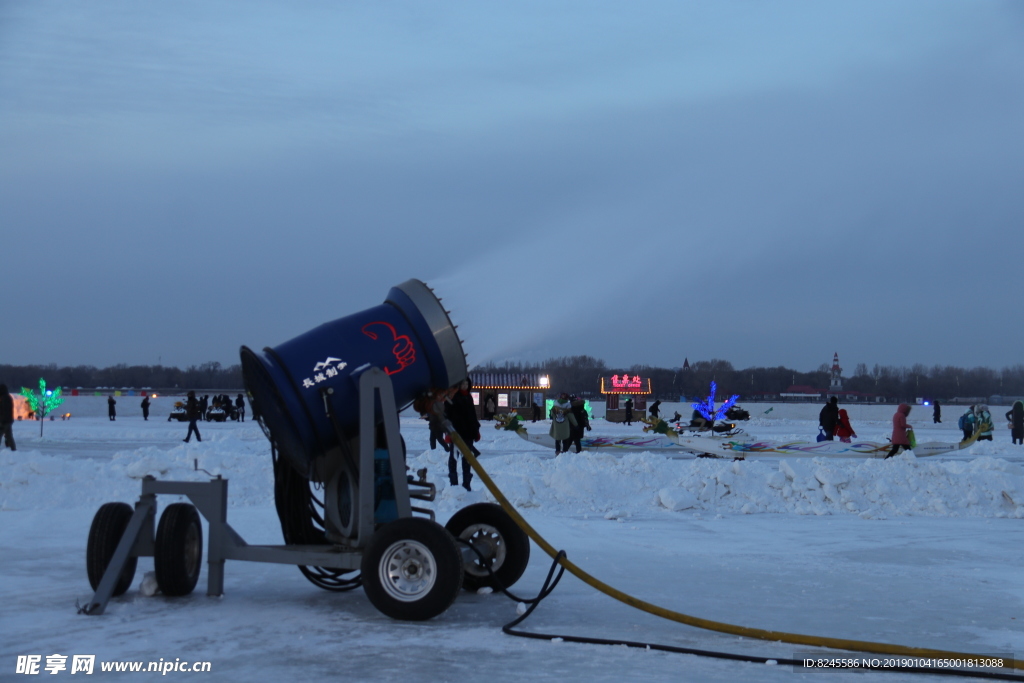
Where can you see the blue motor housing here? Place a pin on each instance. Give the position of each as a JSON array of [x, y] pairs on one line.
[[410, 337]]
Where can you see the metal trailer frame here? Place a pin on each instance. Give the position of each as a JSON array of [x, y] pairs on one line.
[[224, 543]]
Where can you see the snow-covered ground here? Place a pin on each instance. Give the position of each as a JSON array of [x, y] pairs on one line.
[[917, 552]]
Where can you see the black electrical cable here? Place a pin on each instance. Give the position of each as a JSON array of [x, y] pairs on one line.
[[298, 509], [548, 586]]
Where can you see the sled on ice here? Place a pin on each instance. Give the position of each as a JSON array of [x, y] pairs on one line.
[[660, 437], [742, 448]]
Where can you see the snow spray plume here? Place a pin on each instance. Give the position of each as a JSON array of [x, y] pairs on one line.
[[520, 300]]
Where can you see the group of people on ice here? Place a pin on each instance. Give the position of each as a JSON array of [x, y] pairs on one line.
[[835, 422], [234, 407], [569, 420], [979, 418], [568, 415]]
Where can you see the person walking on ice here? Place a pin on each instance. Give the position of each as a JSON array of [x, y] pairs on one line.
[[192, 410], [562, 423], [654, 410], [461, 412], [1016, 417], [579, 411], [7, 417], [900, 431]]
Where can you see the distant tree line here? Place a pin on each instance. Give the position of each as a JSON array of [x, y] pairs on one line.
[[937, 381], [581, 375], [205, 376]]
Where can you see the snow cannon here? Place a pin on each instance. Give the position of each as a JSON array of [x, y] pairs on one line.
[[328, 401], [409, 337]]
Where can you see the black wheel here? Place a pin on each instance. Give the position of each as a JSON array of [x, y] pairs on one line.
[[499, 539], [178, 552], [107, 528], [411, 569]]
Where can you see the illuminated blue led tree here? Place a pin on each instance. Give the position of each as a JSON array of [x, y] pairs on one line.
[[707, 406], [43, 402]]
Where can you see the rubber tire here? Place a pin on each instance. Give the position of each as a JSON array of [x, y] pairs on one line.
[[108, 526], [440, 551], [178, 551], [515, 540]]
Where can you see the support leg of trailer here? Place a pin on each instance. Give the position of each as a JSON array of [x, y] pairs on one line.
[[211, 497], [138, 525]]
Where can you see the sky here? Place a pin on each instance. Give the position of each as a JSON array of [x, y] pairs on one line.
[[766, 183]]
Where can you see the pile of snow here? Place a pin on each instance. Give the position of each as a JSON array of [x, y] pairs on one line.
[[49, 473], [31, 480], [644, 483]]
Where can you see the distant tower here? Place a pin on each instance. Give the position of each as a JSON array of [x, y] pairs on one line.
[[686, 364], [835, 384]]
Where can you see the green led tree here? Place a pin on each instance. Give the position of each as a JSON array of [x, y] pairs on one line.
[[43, 402]]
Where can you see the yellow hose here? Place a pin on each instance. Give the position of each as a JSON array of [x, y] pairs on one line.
[[745, 631]]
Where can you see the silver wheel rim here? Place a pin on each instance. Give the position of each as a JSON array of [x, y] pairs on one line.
[[489, 542], [407, 571]]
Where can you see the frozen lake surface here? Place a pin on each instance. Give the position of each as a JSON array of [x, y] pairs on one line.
[[916, 552]]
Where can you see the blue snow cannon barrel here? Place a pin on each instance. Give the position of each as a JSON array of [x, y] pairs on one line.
[[410, 337]]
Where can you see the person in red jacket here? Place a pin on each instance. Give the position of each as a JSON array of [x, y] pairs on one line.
[[843, 429], [900, 438]]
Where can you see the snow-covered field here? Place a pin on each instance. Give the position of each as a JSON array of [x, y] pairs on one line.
[[922, 553]]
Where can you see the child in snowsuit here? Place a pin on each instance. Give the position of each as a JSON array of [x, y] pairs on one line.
[[843, 429], [983, 423], [966, 423]]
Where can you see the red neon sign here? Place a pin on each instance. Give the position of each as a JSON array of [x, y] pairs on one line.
[[626, 382]]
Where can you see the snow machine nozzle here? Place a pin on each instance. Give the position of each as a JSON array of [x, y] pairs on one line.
[[410, 337]]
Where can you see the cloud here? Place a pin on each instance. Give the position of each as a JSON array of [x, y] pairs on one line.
[[767, 184]]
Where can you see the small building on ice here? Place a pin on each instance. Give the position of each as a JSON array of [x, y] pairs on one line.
[[616, 389], [508, 390]]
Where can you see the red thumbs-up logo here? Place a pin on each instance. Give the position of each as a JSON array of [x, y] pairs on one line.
[[404, 351]]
